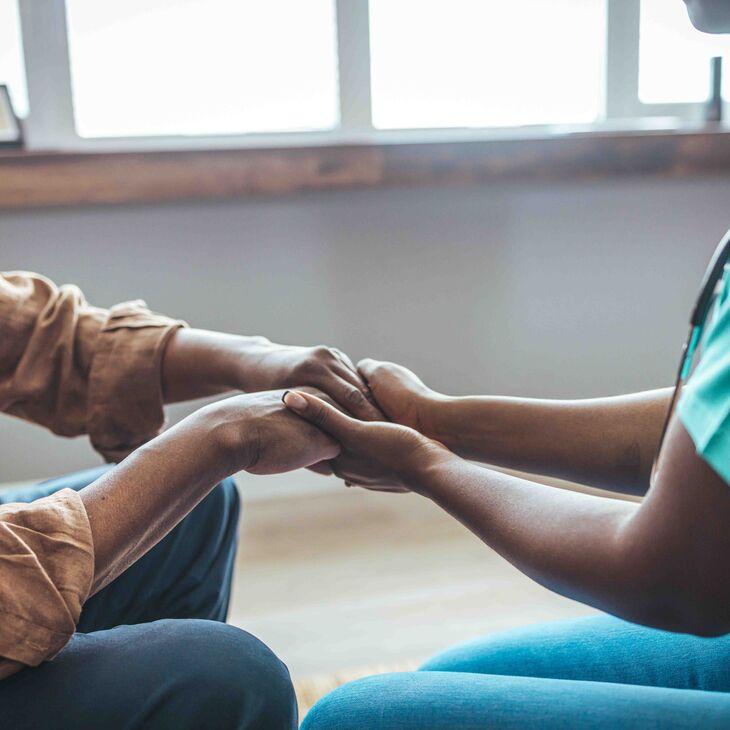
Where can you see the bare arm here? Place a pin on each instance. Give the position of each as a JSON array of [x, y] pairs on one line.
[[198, 363], [136, 504], [646, 563], [605, 442], [659, 563]]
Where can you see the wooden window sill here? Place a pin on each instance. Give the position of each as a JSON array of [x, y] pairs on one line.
[[39, 179]]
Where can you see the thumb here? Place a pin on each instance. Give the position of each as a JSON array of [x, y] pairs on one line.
[[320, 414], [367, 367]]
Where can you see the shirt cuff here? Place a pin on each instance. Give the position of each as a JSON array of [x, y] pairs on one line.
[[125, 381], [46, 571]]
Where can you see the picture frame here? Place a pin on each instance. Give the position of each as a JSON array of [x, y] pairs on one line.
[[11, 133]]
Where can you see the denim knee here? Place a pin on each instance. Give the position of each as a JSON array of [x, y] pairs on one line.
[[235, 680], [355, 705]]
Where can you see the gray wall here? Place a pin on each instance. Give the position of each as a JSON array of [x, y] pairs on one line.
[[556, 290]]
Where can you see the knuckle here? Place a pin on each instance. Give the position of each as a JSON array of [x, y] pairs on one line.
[[323, 353], [308, 368], [354, 397]]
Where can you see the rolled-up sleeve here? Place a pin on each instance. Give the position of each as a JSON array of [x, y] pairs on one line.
[[46, 569], [76, 368]]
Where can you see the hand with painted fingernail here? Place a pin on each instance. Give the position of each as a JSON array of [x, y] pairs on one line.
[[376, 455]]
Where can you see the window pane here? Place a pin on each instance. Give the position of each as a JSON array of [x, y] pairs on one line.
[[471, 63], [674, 58], [12, 71], [156, 67]]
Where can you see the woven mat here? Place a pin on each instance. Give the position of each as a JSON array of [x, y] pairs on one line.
[[310, 689]]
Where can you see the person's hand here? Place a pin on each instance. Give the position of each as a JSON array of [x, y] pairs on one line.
[[256, 433], [198, 363], [375, 455], [269, 366], [400, 393]]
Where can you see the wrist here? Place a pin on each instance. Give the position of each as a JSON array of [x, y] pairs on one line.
[[418, 473], [200, 363], [434, 411], [224, 440], [238, 360], [192, 448]]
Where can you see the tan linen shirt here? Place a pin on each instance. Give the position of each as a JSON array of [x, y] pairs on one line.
[[75, 369]]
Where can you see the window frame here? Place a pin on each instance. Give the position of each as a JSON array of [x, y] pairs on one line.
[[50, 123]]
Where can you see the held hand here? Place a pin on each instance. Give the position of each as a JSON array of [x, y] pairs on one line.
[[256, 433], [400, 393], [268, 365], [199, 363], [375, 455]]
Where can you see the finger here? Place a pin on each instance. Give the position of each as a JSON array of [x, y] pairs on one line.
[[349, 373], [347, 389], [345, 359], [367, 368], [322, 468], [322, 415], [320, 394], [386, 490], [353, 376]]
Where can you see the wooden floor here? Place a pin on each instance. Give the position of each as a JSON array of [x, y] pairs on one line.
[[353, 579]]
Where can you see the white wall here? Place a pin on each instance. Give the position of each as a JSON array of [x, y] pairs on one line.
[[555, 290]]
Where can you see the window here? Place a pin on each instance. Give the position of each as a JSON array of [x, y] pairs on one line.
[[198, 67], [12, 73], [674, 60], [470, 63], [154, 74]]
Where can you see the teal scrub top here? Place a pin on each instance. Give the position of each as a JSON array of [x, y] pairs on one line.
[[704, 405]]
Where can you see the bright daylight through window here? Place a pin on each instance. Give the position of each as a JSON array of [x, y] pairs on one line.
[[12, 73], [151, 69], [469, 63], [199, 67], [674, 60]]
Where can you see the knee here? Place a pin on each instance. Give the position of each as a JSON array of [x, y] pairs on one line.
[[252, 679], [238, 682], [359, 705]]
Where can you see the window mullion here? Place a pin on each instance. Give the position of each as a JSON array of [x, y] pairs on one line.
[[622, 59], [353, 46], [50, 123]]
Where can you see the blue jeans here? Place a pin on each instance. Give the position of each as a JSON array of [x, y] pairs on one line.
[[596, 672], [152, 650]]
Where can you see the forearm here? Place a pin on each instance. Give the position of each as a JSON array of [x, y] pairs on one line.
[[135, 505], [605, 442], [575, 544], [200, 363]]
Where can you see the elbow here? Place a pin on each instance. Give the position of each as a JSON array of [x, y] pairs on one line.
[[671, 585], [707, 620], [687, 612]]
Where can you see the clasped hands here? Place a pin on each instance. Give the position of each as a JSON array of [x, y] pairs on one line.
[[313, 408]]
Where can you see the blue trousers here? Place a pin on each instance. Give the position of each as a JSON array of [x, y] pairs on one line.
[[152, 650], [596, 672]]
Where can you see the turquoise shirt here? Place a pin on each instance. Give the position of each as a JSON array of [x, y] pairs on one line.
[[704, 405]]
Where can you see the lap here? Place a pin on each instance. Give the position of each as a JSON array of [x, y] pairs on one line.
[[596, 672], [596, 648], [170, 673], [447, 700]]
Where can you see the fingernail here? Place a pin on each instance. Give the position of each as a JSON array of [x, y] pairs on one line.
[[294, 401]]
